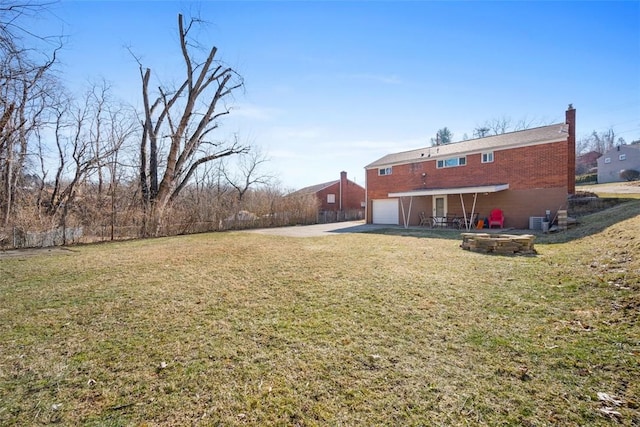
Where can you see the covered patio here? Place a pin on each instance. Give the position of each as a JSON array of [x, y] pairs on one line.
[[468, 215]]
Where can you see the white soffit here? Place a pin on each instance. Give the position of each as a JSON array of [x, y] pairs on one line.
[[459, 190]]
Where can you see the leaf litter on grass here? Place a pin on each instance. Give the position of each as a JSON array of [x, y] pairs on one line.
[[366, 329]]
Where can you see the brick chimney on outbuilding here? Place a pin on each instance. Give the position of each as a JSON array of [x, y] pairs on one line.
[[571, 149], [343, 188]]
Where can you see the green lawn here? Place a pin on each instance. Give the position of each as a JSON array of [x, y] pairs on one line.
[[389, 328]]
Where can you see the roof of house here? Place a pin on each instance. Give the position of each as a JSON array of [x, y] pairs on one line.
[[312, 189], [539, 135], [590, 156], [622, 147]]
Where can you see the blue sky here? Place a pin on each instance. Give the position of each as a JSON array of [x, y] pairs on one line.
[[333, 86]]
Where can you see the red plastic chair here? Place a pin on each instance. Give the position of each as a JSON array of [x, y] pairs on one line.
[[496, 217]]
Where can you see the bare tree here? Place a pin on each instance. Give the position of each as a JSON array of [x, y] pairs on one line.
[[600, 141], [110, 126], [499, 126], [526, 123], [88, 140], [186, 117], [247, 172], [26, 91], [504, 124], [109, 131], [11, 18]]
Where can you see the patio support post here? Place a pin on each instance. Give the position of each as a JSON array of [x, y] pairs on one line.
[[464, 212], [473, 209], [468, 223], [405, 218]]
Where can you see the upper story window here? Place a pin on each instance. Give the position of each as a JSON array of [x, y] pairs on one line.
[[331, 198], [607, 159], [452, 162], [622, 157], [487, 157], [384, 171]]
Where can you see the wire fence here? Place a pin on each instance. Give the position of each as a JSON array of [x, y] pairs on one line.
[[21, 238], [60, 236]]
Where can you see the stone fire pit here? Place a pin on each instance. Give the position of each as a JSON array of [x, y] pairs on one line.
[[498, 243]]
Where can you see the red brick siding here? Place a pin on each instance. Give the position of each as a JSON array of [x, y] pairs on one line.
[[539, 166], [322, 197], [352, 197], [525, 169]]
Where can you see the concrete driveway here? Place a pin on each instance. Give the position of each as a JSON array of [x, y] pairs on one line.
[[320, 229]]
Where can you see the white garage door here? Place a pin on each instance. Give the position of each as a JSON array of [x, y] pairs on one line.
[[385, 211]]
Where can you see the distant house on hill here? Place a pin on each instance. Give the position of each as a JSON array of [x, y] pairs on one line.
[[587, 162], [338, 200], [618, 159]]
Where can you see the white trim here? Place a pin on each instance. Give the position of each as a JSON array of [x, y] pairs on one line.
[[434, 206], [487, 154], [460, 190]]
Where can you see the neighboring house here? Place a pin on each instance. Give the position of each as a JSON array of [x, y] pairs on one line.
[[523, 173], [587, 162], [339, 200], [617, 159]]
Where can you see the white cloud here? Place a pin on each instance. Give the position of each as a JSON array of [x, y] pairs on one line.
[[255, 112]]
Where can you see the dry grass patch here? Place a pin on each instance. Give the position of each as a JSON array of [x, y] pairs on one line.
[[351, 329]]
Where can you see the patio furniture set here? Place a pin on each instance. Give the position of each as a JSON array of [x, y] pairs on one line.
[[457, 222]]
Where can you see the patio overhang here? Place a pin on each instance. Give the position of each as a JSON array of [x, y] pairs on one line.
[[455, 190], [444, 191]]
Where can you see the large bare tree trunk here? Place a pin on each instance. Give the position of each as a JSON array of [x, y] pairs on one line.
[[186, 116]]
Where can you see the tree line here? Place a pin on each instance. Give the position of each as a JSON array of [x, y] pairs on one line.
[[93, 162]]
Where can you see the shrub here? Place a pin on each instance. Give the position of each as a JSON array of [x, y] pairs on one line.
[[629, 174], [587, 178], [583, 195]]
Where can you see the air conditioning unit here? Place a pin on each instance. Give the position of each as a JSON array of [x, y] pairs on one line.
[[535, 222]]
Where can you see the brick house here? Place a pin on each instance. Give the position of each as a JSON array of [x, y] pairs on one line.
[[587, 162], [619, 158], [338, 200], [523, 173]]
